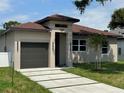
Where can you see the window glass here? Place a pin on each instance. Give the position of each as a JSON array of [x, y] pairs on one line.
[[79, 45], [82, 42], [61, 25], [104, 50], [119, 51], [75, 42], [105, 47], [75, 48], [82, 48]]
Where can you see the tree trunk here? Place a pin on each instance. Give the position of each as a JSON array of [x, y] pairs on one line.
[[98, 62], [99, 58]]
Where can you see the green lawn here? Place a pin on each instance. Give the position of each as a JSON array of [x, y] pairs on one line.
[[112, 73], [21, 83]]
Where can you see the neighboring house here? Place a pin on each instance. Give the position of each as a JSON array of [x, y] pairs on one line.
[[54, 41], [120, 42]]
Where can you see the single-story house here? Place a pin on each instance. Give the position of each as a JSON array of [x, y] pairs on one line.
[[54, 41]]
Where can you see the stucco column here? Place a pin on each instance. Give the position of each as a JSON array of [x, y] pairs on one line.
[[17, 47], [113, 50], [69, 49], [52, 50]]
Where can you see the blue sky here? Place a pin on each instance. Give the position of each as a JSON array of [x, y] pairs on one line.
[[96, 15]]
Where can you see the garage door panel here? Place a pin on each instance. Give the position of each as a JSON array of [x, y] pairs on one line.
[[34, 55], [33, 65]]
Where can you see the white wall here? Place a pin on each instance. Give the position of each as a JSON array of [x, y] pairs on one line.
[[5, 59], [121, 45]]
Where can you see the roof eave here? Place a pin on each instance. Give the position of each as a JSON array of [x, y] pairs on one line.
[[16, 29], [29, 29], [53, 19], [91, 33]]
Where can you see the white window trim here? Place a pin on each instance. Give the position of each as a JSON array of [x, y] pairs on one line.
[[79, 45]]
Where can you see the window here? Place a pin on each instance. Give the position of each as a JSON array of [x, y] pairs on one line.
[[105, 47], [79, 45], [119, 51], [61, 25]]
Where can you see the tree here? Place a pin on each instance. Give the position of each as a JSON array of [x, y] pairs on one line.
[[95, 42], [9, 24], [1, 30], [117, 20], [82, 4]]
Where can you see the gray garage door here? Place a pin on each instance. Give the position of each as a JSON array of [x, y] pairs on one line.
[[34, 55]]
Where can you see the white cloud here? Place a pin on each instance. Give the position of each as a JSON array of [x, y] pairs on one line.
[[4, 5], [96, 16], [117, 3], [99, 16], [20, 18]]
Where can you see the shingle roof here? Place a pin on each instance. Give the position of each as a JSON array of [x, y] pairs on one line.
[[87, 30], [30, 25], [75, 28], [58, 17]]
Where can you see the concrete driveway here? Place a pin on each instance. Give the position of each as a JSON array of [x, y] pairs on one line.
[[59, 81]]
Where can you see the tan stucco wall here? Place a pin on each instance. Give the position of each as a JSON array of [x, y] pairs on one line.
[[67, 48], [32, 36], [14, 43], [28, 36], [68, 32], [90, 55], [52, 49]]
